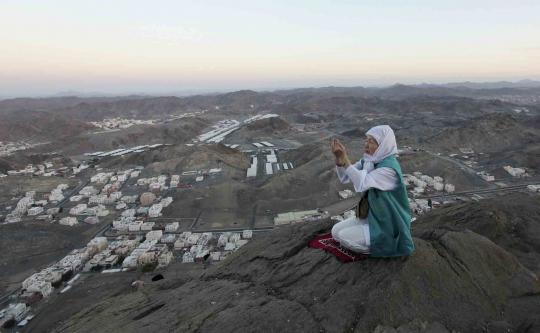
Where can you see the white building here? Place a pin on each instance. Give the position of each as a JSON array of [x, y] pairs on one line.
[[252, 171], [271, 158], [129, 212], [165, 202], [345, 194], [438, 186], [154, 235], [247, 234], [235, 237], [179, 244], [165, 258], [172, 227], [168, 238], [56, 195], [418, 190], [515, 172], [223, 239], [193, 238], [487, 177], [155, 210], [187, 258], [268, 168], [24, 204], [76, 198], [35, 211], [147, 226], [16, 311], [88, 191], [135, 226], [97, 244], [78, 209]]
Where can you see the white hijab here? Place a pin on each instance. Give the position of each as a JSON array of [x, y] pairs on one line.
[[384, 135]]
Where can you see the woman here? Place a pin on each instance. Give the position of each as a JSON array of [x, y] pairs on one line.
[[386, 230]]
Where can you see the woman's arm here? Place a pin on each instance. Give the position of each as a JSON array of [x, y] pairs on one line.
[[342, 174], [384, 179]]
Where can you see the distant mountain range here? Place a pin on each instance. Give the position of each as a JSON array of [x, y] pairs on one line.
[[185, 93], [487, 85]]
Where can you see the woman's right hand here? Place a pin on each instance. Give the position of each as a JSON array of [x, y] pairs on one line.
[[339, 152], [337, 148]]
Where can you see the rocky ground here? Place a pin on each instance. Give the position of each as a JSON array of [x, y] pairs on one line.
[[470, 273]]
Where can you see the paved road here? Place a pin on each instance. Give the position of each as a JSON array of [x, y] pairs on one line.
[[512, 188]]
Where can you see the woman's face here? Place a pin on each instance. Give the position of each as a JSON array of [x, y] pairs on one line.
[[370, 145]]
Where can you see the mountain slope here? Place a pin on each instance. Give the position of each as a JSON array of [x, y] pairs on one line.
[[458, 278]]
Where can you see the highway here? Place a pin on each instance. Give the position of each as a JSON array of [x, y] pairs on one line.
[[481, 191]]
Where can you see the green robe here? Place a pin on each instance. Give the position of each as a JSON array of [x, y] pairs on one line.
[[389, 217]]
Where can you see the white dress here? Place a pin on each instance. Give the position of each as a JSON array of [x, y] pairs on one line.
[[353, 233]]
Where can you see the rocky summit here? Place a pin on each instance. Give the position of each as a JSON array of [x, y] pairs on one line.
[[469, 273]]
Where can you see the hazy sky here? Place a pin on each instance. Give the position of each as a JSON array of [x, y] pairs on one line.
[[119, 46]]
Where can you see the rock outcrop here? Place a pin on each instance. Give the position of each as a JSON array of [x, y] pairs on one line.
[[457, 279]]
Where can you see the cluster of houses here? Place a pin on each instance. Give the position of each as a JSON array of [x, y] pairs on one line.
[[119, 123], [420, 183], [146, 252], [8, 148], [421, 206], [149, 254], [46, 169], [98, 254], [97, 199], [31, 207], [202, 246], [158, 184], [271, 165], [132, 218]]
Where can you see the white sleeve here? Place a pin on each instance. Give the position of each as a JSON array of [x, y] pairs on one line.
[[384, 179], [342, 175]]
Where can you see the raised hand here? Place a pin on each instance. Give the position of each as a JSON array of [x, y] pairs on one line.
[[339, 151], [337, 148]]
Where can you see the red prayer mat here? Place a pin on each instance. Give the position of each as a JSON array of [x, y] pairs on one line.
[[327, 243]]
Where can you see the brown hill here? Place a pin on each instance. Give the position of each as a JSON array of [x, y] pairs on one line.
[[260, 130], [492, 132], [269, 125], [38, 126], [178, 131], [460, 279]]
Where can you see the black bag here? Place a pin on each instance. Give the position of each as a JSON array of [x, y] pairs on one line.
[[362, 209]]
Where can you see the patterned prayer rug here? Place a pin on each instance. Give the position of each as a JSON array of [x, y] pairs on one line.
[[327, 243]]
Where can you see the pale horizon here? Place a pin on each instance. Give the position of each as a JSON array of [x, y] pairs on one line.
[[135, 47]]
